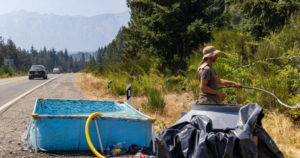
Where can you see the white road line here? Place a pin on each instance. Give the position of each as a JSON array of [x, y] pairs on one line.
[[7, 105]]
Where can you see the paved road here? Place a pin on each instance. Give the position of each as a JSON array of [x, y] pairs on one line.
[[13, 87], [15, 120]]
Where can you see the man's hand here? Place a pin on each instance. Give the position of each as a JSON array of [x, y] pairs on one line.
[[237, 85], [222, 95]]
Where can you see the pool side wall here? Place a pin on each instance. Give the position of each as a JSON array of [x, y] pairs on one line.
[[67, 132]]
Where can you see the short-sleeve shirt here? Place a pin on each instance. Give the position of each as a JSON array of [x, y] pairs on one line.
[[208, 73]]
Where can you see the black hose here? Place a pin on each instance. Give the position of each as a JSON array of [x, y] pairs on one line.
[[280, 102]]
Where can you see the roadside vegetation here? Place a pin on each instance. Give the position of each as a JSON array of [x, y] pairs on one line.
[[7, 72], [159, 53]]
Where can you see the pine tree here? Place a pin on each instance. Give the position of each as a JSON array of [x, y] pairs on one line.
[[168, 29]]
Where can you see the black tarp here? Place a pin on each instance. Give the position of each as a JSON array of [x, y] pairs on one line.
[[222, 116], [197, 138]]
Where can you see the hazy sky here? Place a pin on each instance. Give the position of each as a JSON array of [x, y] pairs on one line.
[[65, 7]]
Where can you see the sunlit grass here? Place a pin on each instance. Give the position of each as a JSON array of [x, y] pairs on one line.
[[284, 132]]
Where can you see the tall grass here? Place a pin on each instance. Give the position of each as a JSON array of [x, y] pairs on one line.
[[284, 132], [176, 83], [155, 100], [141, 73], [6, 72]]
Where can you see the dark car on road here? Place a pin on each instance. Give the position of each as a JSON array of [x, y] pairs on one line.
[[37, 71]]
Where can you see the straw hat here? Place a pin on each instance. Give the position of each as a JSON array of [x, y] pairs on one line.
[[208, 51]]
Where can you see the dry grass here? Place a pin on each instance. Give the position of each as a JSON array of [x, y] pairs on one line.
[[284, 132], [280, 127], [96, 88]]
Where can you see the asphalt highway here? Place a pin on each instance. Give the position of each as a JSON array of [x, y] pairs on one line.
[[11, 88]]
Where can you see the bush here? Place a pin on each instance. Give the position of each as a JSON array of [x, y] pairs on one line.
[[141, 73], [6, 71], [119, 84], [176, 83], [155, 100], [194, 86]]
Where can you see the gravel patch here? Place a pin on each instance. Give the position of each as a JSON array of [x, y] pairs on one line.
[[14, 121]]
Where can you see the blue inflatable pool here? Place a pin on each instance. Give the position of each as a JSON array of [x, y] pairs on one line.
[[61, 123]]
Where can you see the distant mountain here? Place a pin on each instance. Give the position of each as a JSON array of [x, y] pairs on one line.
[[77, 56], [76, 33]]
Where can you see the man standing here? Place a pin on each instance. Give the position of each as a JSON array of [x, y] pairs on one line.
[[208, 79]]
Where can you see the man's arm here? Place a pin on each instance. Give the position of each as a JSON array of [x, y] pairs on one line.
[[226, 82], [206, 89]]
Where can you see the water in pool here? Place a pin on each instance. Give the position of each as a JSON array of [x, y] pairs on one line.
[[86, 107]]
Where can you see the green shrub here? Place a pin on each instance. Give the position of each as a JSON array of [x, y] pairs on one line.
[[176, 83], [194, 87], [119, 82], [141, 73], [6, 72], [292, 101], [155, 100]]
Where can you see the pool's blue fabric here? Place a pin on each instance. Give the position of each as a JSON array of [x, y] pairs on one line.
[[121, 123]]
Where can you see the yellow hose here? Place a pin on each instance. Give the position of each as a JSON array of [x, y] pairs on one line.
[[87, 134]]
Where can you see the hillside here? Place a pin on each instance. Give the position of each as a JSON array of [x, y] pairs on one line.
[[76, 33]]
